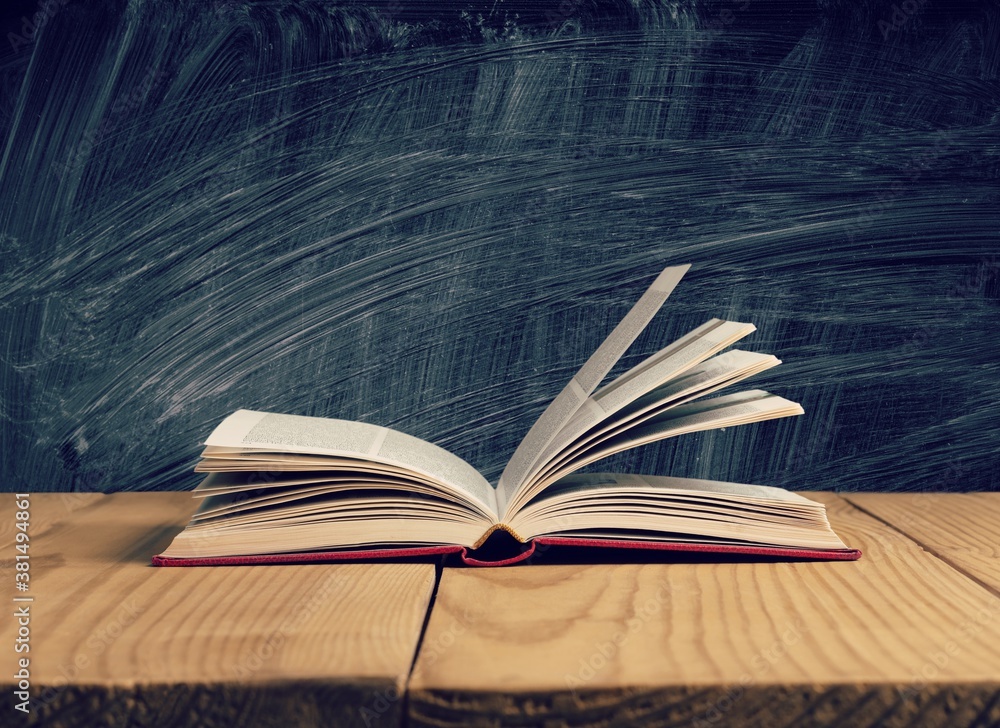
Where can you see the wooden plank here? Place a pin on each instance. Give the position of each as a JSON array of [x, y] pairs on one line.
[[896, 638], [116, 641], [961, 528]]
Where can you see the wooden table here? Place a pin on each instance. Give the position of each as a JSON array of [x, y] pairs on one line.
[[910, 634]]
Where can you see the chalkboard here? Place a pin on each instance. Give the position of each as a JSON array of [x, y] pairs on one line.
[[427, 216]]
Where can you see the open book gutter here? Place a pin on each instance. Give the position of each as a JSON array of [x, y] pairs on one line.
[[287, 488]]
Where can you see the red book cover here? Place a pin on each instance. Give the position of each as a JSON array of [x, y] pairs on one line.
[[468, 557]]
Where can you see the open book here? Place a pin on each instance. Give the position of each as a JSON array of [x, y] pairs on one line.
[[287, 488]]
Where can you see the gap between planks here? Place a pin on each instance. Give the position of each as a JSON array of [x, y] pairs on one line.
[[937, 552], [846, 498], [405, 702], [870, 685]]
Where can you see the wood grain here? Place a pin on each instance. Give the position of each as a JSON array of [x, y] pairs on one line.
[[115, 641], [896, 638], [961, 528]]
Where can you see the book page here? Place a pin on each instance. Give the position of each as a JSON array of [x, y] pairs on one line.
[[725, 369], [708, 377], [580, 387], [726, 411], [644, 507], [665, 365], [230, 511], [376, 529], [232, 500], [321, 436], [583, 484], [242, 487], [669, 363]]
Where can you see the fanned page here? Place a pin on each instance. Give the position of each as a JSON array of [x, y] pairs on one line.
[[729, 410], [656, 371], [612, 506], [583, 384], [596, 433], [263, 440], [726, 411]]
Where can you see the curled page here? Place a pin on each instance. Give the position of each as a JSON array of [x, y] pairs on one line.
[[583, 384], [728, 410], [671, 362], [590, 428]]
